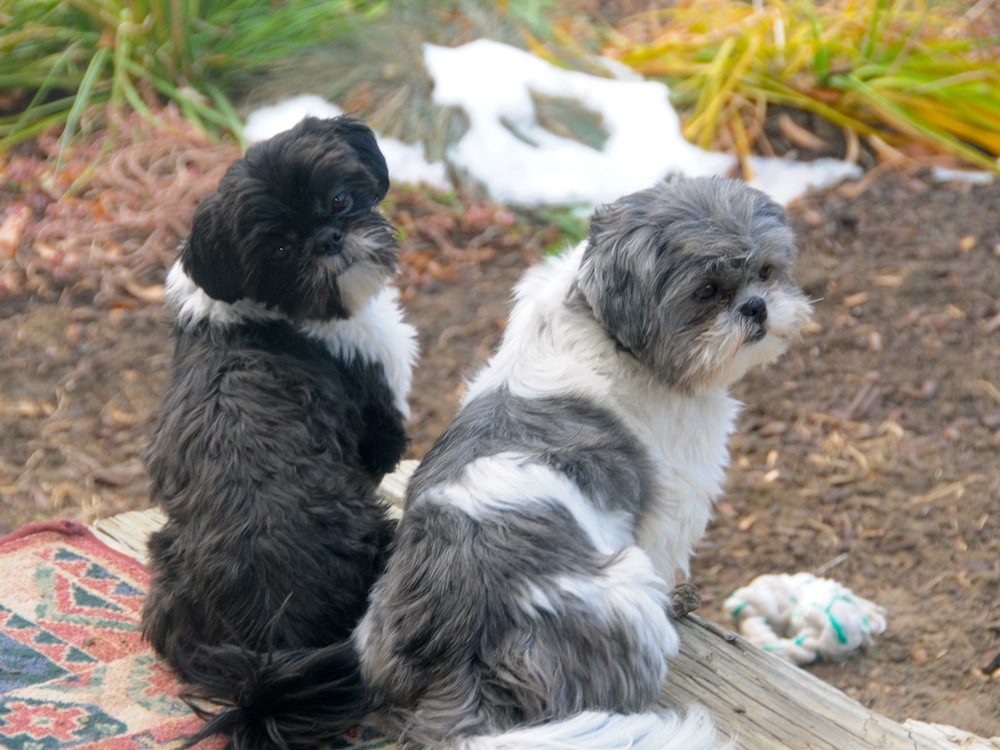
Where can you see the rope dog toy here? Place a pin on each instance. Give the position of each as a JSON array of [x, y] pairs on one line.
[[803, 618]]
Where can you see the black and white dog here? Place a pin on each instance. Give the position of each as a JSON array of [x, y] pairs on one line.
[[528, 601], [286, 404]]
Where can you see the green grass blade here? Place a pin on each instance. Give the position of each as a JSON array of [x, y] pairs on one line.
[[84, 94], [821, 51], [26, 133], [901, 119], [230, 115]]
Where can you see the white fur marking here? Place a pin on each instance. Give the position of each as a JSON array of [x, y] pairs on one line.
[[492, 485], [377, 333], [191, 304], [629, 591], [358, 285]]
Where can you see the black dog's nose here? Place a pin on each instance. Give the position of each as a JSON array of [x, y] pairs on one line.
[[329, 240], [756, 309]]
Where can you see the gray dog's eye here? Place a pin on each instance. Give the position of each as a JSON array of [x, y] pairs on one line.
[[341, 202], [707, 291], [765, 272]]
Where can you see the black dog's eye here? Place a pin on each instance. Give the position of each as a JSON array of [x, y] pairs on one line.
[[280, 252], [765, 272], [707, 291], [341, 202]]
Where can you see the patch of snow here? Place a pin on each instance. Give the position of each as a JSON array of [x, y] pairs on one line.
[[976, 177], [407, 163], [267, 122], [493, 83], [785, 179]]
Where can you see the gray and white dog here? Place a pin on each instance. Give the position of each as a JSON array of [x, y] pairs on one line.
[[527, 603]]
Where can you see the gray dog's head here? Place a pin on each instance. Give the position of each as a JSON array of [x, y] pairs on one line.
[[693, 278]]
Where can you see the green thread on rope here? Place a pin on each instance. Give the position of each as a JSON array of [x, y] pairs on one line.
[[841, 633]]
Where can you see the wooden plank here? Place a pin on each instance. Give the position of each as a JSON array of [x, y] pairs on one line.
[[760, 700], [766, 703], [129, 532], [951, 737]]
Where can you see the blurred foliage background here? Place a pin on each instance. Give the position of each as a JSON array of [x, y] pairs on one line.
[[63, 61], [906, 79]]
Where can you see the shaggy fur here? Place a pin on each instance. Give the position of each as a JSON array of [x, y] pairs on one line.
[[526, 602], [286, 404]]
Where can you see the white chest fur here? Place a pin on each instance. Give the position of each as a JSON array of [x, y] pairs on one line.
[[377, 333], [686, 439]]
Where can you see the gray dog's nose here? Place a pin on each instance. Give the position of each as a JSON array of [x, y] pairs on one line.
[[756, 309]]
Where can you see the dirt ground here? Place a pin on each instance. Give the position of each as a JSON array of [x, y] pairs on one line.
[[868, 454]]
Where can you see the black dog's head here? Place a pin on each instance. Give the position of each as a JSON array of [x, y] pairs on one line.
[[293, 226], [693, 278]]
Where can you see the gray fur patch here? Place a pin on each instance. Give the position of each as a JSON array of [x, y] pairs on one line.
[[584, 442]]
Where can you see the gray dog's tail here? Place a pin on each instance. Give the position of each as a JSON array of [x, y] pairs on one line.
[[599, 730], [277, 700]]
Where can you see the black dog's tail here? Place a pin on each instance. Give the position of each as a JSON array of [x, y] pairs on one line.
[[279, 700]]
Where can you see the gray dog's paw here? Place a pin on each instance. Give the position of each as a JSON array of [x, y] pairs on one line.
[[684, 600]]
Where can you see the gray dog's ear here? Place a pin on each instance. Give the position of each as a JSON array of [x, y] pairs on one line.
[[615, 274], [205, 256]]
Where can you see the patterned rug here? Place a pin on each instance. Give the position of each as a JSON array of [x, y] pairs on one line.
[[74, 670]]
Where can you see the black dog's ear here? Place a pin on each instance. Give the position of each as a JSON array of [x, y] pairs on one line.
[[206, 257], [361, 138]]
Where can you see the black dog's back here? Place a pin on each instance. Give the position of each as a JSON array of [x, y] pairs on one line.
[[266, 459]]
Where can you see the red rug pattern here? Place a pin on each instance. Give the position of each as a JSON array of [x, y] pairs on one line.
[[74, 670]]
